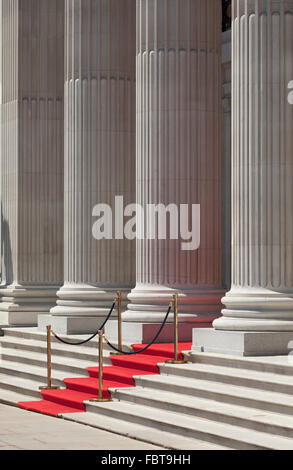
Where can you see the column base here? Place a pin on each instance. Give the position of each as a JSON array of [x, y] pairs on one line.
[[257, 309], [20, 305], [149, 304], [86, 301], [82, 309], [242, 343], [143, 333], [70, 325]]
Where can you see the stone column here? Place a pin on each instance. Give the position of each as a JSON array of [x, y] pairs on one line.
[[31, 158], [258, 318], [99, 157], [178, 160]]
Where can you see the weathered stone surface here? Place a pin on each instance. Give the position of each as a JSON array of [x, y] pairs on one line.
[[179, 154], [99, 151], [31, 157], [261, 297]]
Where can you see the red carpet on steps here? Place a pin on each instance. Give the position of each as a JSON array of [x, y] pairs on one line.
[[120, 374]]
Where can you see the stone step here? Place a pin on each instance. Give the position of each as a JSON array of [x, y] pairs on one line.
[[36, 335], [227, 435], [59, 363], [78, 352], [249, 418], [140, 432], [282, 365], [233, 376], [20, 334], [38, 375], [236, 395], [11, 397], [22, 389]]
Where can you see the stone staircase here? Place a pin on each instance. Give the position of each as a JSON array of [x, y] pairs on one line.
[[214, 402], [222, 401], [23, 362]]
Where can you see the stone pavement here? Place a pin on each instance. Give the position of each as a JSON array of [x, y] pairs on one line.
[[21, 430]]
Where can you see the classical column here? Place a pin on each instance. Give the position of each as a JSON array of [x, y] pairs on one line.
[[258, 318], [178, 159], [99, 157], [31, 158]]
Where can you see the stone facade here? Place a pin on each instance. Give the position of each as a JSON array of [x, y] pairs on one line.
[[143, 104]]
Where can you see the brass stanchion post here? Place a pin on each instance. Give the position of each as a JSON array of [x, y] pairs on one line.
[[49, 362], [176, 336], [101, 399]]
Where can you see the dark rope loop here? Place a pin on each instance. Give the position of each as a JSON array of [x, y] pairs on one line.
[[93, 336], [149, 345]]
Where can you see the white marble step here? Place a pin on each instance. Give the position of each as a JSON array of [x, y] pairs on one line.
[[33, 373], [222, 434], [65, 364], [250, 418], [282, 365], [141, 432], [242, 377], [237, 395], [35, 335], [10, 397], [58, 349], [20, 388]]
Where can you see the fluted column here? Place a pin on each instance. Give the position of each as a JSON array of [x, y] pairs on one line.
[[179, 154], [261, 298], [99, 153], [31, 158]]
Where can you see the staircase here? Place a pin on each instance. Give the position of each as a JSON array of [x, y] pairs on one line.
[[213, 402], [222, 401], [23, 362], [118, 375]]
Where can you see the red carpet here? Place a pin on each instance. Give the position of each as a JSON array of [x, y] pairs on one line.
[[120, 374]]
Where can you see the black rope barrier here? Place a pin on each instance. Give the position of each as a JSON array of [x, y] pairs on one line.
[[93, 336], [146, 347]]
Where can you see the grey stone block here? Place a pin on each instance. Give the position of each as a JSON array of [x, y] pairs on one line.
[[142, 333], [242, 343], [70, 325]]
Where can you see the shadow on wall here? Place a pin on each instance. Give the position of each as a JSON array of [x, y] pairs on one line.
[[227, 14], [6, 252]]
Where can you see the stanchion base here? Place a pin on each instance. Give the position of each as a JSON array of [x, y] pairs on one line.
[[49, 388], [100, 400], [176, 362]]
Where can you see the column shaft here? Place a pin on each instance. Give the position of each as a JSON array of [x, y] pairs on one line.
[[99, 151], [179, 154], [31, 158], [262, 169]]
